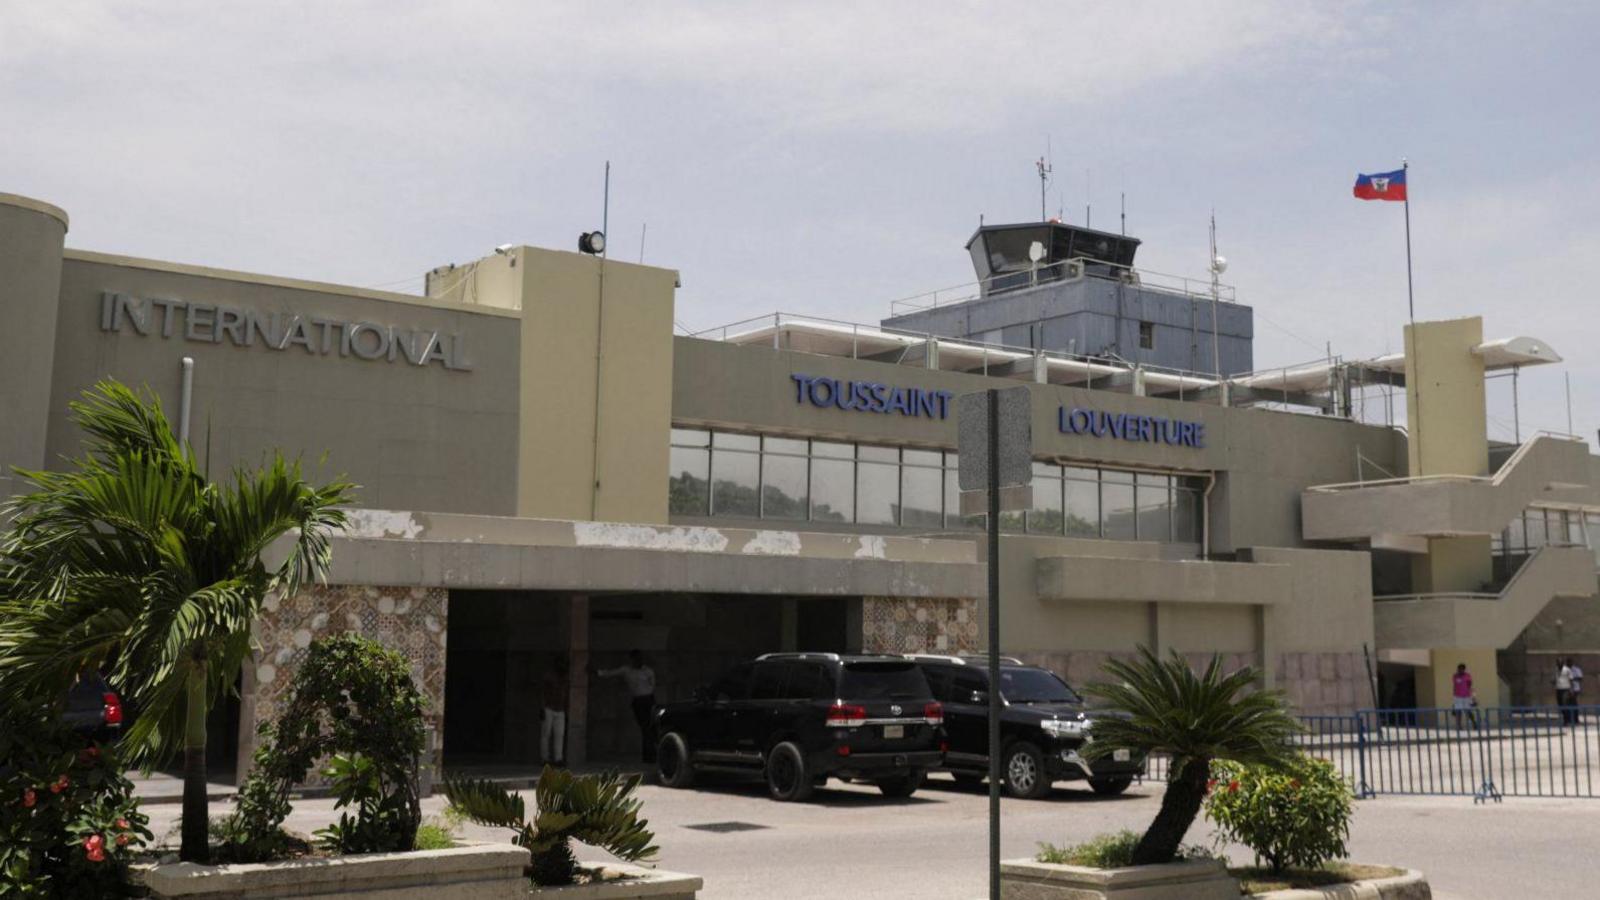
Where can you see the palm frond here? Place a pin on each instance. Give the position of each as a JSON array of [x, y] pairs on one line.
[[485, 802]]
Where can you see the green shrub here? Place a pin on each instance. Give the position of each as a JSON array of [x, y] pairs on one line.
[[1107, 851], [69, 824], [352, 702], [433, 835], [598, 810], [1297, 815]]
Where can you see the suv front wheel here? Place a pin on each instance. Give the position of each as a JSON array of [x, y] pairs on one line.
[[903, 785], [1024, 771], [672, 761], [787, 778]]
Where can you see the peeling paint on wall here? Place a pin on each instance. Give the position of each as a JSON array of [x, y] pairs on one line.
[[872, 547], [382, 523], [773, 543], [645, 537]]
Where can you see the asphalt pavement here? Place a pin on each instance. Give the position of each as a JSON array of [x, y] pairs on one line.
[[852, 842]]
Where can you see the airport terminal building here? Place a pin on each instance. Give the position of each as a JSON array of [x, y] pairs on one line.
[[551, 476]]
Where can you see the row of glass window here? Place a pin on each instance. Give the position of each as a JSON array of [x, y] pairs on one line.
[[1540, 526], [728, 474]]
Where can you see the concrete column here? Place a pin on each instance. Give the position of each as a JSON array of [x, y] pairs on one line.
[[31, 237], [577, 679], [789, 629]]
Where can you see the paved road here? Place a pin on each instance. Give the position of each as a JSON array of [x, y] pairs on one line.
[[851, 842]]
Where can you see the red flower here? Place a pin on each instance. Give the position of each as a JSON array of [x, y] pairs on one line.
[[122, 840], [29, 799], [93, 841], [1211, 785], [1233, 787], [60, 785], [122, 824], [88, 756], [95, 854]]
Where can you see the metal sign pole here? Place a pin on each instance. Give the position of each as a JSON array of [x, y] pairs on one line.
[[994, 645]]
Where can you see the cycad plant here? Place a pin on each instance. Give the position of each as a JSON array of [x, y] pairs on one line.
[[598, 810], [1195, 718], [132, 560]]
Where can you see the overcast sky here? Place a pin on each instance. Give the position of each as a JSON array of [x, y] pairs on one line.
[[831, 158]]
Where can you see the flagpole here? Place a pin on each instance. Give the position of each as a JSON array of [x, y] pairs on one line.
[[1411, 310], [1411, 302]]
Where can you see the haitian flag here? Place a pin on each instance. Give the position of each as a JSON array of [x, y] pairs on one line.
[[1382, 186]]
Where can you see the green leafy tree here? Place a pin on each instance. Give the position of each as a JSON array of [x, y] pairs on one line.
[[598, 810], [1195, 718], [132, 560]]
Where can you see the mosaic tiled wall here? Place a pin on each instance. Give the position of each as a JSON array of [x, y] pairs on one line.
[[919, 625], [410, 620], [1319, 684]]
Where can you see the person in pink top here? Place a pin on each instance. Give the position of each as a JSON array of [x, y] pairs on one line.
[[1463, 700]]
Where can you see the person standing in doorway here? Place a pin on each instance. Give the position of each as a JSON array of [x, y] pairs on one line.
[[1577, 688], [1462, 698], [553, 730], [641, 682], [1564, 690]]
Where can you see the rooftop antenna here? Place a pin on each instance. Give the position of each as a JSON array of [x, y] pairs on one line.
[[1044, 178], [1088, 217], [643, 230], [1219, 264], [1124, 213]]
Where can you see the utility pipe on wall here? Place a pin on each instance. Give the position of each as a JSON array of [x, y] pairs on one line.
[[186, 395]]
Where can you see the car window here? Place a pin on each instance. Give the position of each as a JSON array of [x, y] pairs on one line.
[[938, 681], [964, 682], [770, 680], [1027, 685], [809, 681], [733, 685], [883, 681]]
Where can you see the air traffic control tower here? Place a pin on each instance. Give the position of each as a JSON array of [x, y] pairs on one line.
[[1047, 286]]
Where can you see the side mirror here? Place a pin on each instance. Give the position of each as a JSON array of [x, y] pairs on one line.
[[980, 698]]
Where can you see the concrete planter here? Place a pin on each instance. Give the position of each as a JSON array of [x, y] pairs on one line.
[[635, 882], [1408, 885], [467, 872], [1204, 879]]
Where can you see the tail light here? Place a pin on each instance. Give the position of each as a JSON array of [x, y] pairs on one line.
[[113, 708], [843, 750], [841, 715], [933, 713]]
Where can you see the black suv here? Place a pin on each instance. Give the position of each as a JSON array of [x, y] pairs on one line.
[[801, 718], [1043, 726]]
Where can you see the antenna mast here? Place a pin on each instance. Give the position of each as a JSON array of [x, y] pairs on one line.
[[1044, 179], [1216, 266]]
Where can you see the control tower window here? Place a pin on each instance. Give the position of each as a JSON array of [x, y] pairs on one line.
[[1147, 336]]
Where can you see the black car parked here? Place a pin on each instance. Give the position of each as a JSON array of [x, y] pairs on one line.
[[1044, 725], [800, 718]]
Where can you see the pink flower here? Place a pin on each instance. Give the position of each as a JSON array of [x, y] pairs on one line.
[[122, 840], [60, 785], [96, 854], [122, 824]]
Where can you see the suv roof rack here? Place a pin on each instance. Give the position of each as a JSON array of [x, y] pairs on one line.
[[790, 655], [964, 659]]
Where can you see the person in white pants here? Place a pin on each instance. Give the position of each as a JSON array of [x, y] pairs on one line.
[[553, 728]]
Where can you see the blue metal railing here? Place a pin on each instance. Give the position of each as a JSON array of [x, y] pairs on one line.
[[1487, 754]]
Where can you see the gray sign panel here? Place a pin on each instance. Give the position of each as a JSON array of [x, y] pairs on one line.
[[1015, 459]]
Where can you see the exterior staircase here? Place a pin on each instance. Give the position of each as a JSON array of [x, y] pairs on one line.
[[1429, 621], [1546, 469]]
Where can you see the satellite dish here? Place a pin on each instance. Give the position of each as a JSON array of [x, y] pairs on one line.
[[1036, 251], [1219, 264]]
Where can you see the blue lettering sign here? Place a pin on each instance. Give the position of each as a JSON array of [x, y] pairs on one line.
[[1139, 429], [871, 397]]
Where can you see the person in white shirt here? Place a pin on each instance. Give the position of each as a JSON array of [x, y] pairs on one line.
[[1577, 688], [641, 682], [1564, 691]]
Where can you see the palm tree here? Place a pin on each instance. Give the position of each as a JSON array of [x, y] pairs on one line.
[[132, 560], [1196, 718]]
